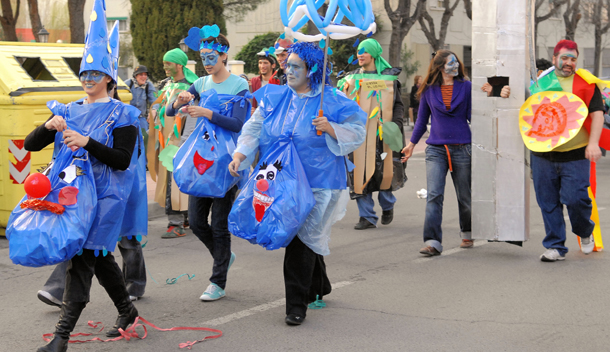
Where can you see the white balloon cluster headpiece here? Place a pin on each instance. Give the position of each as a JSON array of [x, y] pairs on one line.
[[359, 12]]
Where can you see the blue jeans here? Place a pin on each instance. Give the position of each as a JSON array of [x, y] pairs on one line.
[[216, 237], [366, 205], [556, 184], [437, 166]]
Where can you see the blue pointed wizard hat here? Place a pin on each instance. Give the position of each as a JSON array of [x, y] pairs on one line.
[[114, 48], [97, 55]]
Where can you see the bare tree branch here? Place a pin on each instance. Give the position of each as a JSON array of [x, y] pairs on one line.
[[571, 16], [8, 20], [34, 17], [402, 21], [427, 24]]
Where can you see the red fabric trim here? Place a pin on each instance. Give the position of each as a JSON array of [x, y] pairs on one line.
[[585, 92]]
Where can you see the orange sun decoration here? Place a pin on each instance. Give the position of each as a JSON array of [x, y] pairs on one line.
[[550, 119]]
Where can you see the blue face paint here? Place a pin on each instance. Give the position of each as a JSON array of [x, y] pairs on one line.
[[296, 73], [452, 65], [210, 58], [95, 76]]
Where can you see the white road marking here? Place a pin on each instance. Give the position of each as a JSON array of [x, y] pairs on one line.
[[477, 243], [260, 308]]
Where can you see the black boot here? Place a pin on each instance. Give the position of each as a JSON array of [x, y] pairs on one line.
[[127, 315], [387, 217], [68, 316], [364, 224]]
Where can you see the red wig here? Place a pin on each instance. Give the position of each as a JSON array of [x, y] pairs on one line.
[[565, 44]]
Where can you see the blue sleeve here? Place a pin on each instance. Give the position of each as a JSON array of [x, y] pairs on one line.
[[423, 115], [232, 123], [170, 111], [151, 92]]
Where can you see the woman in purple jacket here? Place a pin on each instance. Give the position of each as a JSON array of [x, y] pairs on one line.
[[445, 97]]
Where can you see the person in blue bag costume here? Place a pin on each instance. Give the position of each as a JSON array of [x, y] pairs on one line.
[[289, 112], [135, 225], [213, 48], [113, 161]]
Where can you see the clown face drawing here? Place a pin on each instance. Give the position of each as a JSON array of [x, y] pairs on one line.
[[202, 164], [263, 190]]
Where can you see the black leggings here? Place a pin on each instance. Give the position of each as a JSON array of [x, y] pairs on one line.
[[80, 274], [304, 277]]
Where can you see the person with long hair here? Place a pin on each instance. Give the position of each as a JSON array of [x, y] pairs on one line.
[[445, 99]]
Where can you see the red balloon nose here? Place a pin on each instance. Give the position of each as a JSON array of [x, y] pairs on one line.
[[37, 185], [262, 185]]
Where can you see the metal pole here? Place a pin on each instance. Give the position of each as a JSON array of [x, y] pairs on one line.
[[321, 111], [500, 175]]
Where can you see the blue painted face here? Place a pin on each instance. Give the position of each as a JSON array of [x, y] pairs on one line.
[[452, 65], [209, 57], [296, 73], [95, 76]]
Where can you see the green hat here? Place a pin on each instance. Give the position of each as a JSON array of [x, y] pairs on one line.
[[373, 47], [178, 56]]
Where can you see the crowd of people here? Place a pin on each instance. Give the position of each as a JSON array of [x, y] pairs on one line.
[[358, 140]]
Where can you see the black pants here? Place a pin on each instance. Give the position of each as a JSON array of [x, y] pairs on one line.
[[79, 275], [134, 271], [216, 237], [304, 277]]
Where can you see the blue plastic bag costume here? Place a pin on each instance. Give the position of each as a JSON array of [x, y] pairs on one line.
[[112, 186], [135, 221], [275, 201], [41, 237], [201, 165], [284, 116]]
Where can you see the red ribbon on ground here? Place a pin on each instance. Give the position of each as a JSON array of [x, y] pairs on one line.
[[131, 333]]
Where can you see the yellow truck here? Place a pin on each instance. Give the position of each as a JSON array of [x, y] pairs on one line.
[[30, 75]]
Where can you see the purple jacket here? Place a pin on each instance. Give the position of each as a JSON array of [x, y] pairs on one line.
[[448, 127]]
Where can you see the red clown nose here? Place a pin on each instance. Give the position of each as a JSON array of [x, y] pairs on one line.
[[37, 185], [262, 185]]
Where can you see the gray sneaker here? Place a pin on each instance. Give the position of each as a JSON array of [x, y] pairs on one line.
[[587, 244], [552, 255]]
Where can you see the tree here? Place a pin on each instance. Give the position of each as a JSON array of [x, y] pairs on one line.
[[599, 19], [571, 16], [236, 10], [468, 8], [408, 67], [76, 9], [427, 24], [8, 20], [34, 17], [158, 26], [248, 52], [402, 20], [553, 8]]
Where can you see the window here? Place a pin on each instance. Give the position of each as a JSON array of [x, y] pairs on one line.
[[35, 68], [74, 63], [122, 23], [436, 4]]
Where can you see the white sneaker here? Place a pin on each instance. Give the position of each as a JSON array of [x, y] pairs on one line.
[[587, 244], [212, 293], [551, 255], [133, 298]]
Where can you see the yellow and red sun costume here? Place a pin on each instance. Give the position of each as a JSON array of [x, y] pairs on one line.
[[551, 117]]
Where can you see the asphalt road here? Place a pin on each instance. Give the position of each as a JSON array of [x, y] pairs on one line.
[[386, 297]]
